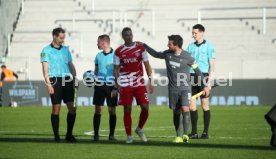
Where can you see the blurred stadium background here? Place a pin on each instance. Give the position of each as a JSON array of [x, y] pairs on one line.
[[243, 32], [245, 42]]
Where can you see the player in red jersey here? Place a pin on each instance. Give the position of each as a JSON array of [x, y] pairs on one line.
[[128, 72]]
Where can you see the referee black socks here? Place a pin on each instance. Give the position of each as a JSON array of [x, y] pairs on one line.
[[207, 117], [194, 118], [70, 123], [96, 124], [112, 124], [55, 125]]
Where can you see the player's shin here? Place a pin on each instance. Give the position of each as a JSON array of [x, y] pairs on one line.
[[143, 118], [176, 122], [127, 122], [186, 121]]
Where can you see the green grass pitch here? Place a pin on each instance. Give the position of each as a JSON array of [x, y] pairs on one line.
[[235, 132]]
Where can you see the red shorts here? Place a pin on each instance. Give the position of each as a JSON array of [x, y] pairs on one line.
[[127, 94]]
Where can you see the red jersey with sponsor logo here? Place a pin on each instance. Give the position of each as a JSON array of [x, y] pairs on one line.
[[130, 60]]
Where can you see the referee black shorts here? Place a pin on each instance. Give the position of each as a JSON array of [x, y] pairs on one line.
[[196, 85], [102, 92], [62, 92]]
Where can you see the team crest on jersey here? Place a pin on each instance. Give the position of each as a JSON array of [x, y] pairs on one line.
[[42, 55]]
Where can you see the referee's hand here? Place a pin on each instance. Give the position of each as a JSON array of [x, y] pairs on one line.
[[209, 86], [206, 91], [50, 89], [113, 93]]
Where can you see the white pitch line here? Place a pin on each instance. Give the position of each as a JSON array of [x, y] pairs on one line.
[[148, 129]]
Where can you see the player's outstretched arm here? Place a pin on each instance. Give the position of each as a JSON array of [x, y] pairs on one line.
[[154, 53]]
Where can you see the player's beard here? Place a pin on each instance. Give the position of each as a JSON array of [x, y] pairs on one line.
[[60, 43]]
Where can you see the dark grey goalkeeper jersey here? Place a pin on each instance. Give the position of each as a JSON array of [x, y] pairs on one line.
[[178, 67]]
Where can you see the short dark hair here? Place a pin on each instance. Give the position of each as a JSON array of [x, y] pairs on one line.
[[3, 66], [56, 31], [125, 30], [199, 27], [104, 37], [177, 40]]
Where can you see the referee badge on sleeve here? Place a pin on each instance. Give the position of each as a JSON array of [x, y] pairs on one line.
[[213, 53], [42, 55]]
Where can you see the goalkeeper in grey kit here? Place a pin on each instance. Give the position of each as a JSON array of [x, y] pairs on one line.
[[178, 63]]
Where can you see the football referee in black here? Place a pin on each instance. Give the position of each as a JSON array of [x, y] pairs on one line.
[[104, 87], [59, 74]]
